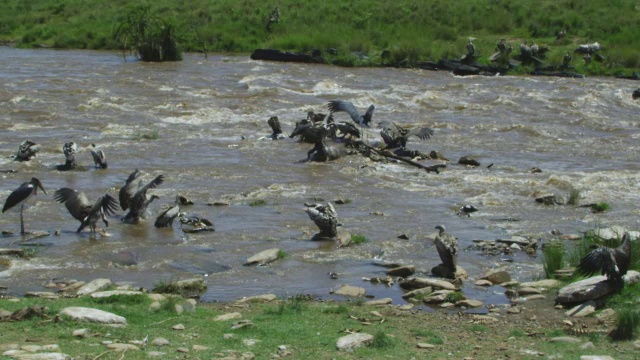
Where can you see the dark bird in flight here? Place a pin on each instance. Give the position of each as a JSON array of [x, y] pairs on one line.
[[27, 150], [83, 210], [20, 195], [612, 262], [395, 136], [99, 159], [346, 106], [447, 246]]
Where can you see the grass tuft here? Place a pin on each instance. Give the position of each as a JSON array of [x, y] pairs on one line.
[[358, 239], [257, 202], [382, 341], [430, 336], [574, 197], [553, 259], [282, 254], [600, 207], [628, 319], [454, 297], [146, 136]]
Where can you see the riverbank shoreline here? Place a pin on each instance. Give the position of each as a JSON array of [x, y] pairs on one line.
[[149, 324]]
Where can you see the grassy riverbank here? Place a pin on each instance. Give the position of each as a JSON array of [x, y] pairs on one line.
[[306, 329], [409, 29]]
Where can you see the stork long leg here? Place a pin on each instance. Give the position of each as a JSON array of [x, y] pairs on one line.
[[21, 219]]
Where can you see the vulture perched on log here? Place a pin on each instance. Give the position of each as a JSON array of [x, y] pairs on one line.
[[612, 262]]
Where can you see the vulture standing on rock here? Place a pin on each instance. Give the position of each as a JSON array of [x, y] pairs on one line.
[[612, 262], [447, 246], [325, 217], [82, 210], [395, 136]]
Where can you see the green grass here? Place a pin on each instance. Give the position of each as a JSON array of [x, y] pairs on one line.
[[174, 287], [146, 136], [454, 297], [257, 202], [600, 207], [282, 254], [381, 340], [553, 258], [574, 197], [407, 29], [358, 239], [429, 336]]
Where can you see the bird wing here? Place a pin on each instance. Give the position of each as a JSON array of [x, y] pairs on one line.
[[421, 133], [128, 191], [366, 119], [167, 216], [107, 203], [75, 201], [388, 131], [599, 260], [346, 106], [347, 128], [98, 156], [20, 194]]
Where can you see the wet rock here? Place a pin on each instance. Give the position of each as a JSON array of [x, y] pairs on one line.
[[592, 288], [348, 290], [546, 283], [528, 291], [417, 283], [482, 282], [160, 342], [420, 293], [469, 303], [93, 315], [343, 239], [518, 240], [437, 297], [550, 200], [263, 257], [228, 316], [258, 298], [379, 302], [12, 252], [93, 286], [350, 342], [106, 294], [436, 155], [614, 233], [468, 161], [402, 271], [582, 310], [443, 271], [497, 276]]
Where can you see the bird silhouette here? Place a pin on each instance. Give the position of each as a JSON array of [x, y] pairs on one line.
[[447, 246], [395, 136], [20, 195], [612, 262], [99, 159], [325, 217], [83, 210], [27, 150], [346, 106], [135, 197]]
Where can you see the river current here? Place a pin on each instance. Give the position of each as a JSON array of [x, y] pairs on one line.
[[209, 115]]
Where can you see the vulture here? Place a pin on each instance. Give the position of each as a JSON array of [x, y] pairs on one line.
[[612, 262], [395, 136], [346, 106], [99, 159], [133, 196], [83, 210], [27, 150], [447, 246], [325, 217]]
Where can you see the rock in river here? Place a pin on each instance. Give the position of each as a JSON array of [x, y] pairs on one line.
[[264, 257]]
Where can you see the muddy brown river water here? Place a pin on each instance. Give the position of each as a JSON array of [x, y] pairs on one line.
[[209, 115]]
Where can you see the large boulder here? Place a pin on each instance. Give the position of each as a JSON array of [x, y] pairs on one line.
[[592, 288], [264, 257], [497, 276], [93, 286], [353, 341], [93, 315]]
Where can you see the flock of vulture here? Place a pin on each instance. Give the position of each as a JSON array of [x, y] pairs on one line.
[[318, 129]]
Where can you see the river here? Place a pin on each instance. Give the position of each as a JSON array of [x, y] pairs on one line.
[[209, 115]]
